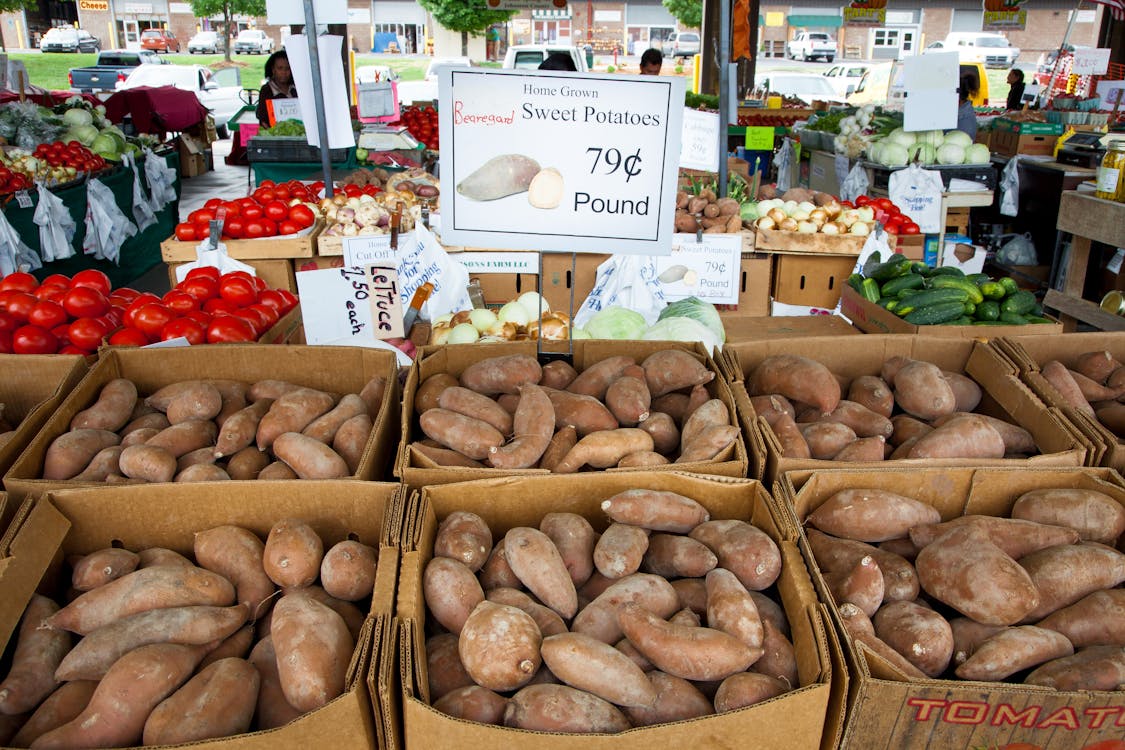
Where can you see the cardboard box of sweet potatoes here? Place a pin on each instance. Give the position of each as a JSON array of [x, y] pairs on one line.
[[794, 718], [972, 681], [43, 550]]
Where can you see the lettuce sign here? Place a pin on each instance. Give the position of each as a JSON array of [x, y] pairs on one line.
[[866, 13], [1004, 15]]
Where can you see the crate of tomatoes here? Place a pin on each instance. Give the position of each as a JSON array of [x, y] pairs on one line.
[[277, 220], [422, 122]]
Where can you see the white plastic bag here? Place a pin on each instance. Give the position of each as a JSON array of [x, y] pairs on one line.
[[14, 254], [428, 261], [1010, 188], [161, 180], [855, 184], [627, 281], [786, 163], [212, 257], [107, 227], [918, 192], [877, 241], [56, 226], [142, 208]]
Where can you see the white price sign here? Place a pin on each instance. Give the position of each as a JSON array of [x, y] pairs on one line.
[[708, 270], [1090, 62], [372, 249], [337, 304], [699, 148], [283, 109], [557, 161], [477, 263]]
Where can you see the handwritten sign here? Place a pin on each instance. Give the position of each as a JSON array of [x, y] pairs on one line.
[[369, 249], [699, 142], [708, 270], [605, 149], [478, 263], [386, 307], [759, 138], [283, 109], [23, 199], [1090, 62]]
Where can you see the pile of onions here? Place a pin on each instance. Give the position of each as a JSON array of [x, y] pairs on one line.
[[527, 317], [808, 218]]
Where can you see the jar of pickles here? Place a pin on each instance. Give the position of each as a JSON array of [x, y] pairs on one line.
[[1110, 184]]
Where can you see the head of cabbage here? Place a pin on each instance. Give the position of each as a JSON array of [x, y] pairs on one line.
[[698, 310], [615, 322]]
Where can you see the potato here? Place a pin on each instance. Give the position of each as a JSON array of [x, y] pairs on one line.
[[37, 655], [236, 645], [292, 554], [546, 619], [693, 653], [675, 556], [657, 510], [154, 556], [949, 570], [153, 420], [629, 400], [731, 609], [1062, 380], [1096, 517], [863, 450], [674, 405], [1096, 365], [676, 700], [200, 400], [499, 646], [496, 572], [236, 554], [102, 566], [1066, 573], [662, 428], [872, 392], [789, 436], [465, 537], [798, 379], [672, 369], [685, 223], [428, 392], [861, 585], [247, 463], [779, 658], [136, 437], [834, 555], [742, 549], [451, 591], [308, 457], [584, 413], [922, 391], [60, 707], [968, 634], [429, 457], [598, 668], [533, 424], [444, 670], [217, 702], [642, 459], [826, 439], [574, 538], [537, 563], [1092, 668], [473, 703], [113, 409], [599, 618], [501, 374], [1012, 650], [471, 437], [185, 437], [351, 440], [558, 374], [275, 471], [372, 394], [202, 473], [921, 635], [863, 421], [1097, 619], [620, 549], [907, 428], [712, 413], [966, 393], [472, 404], [1014, 536], [149, 462], [746, 689], [273, 709], [196, 457], [871, 515], [596, 379], [604, 449], [500, 176], [313, 648], [239, 430], [292, 412], [968, 436], [71, 452], [559, 708], [859, 627]]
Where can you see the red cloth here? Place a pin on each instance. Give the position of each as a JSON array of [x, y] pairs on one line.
[[156, 109], [46, 98]]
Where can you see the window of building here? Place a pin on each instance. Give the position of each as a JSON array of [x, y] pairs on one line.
[[886, 38]]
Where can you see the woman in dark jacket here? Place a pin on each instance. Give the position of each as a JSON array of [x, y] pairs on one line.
[[279, 84]]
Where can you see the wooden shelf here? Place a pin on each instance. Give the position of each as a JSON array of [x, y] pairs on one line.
[[1088, 220]]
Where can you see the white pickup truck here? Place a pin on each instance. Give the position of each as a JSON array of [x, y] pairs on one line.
[[811, 45]]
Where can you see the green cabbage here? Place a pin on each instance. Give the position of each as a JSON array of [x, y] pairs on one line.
[[958, 138], [107, 146], [77, 116], [951, 153], [698, 310], [682, 329], [615, 323], [977, 153]]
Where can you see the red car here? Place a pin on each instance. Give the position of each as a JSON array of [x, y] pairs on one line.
[[159, 40]]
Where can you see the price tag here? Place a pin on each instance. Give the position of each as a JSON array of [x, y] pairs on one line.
[[1090, 62], [699, 145], [369, 249], [386, 307], [283, 109], [759, 138], [708, 270], [23, 199]]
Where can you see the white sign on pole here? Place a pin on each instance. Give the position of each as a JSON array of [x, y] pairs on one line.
[[292, 12], [333, 87], [561, 162], [699, 143], [931, 83], [1090, 62], [708, 270]]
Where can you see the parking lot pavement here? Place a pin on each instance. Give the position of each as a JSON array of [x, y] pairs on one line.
[[224, 181]]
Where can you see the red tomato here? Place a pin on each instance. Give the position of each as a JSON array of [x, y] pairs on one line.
[[219, 306], [72, 349], [62, 333], [151, 317], [254, 228], [87, 333], [259, 284], [269, 315], [239, 291], [185, 232], [122, 297], [199, 316], [85, 302], [290, 299], [233, 208], [20, 305], [302, 215], [893, 223], [862, 200], [47, 314], [202, 230], [34, 340], [264, 195], [272, 298], [909, 227], [286, 226], [227, 328], [200, 287], [213, 203], [254, 318], [269, 227], [281, 192], [180, 302], [5, 342], [128, 337], [208, 272], [92, 278], [276, 210], [57, 278], [266, 184], [201, 215], [19, 282], [885, 204], [185, 328], [140, 301], [235, 228], [50, 291], [8, 323]]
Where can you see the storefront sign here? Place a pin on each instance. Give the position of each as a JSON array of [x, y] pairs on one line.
[[478, 263], [866, 13], [137, 9], [699, 147], [708, 270], [558, 161], [1004, 15], [525, 4], [93, 5]]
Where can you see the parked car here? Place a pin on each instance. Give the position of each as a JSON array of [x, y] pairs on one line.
[[993, 50], [218, 90], [845, 77], [683, 44], [811, 45], [205, 43], [159, 40], [253, 42], [427, 89], [111, 69], [530, 56], [68, 39], [884, 84], [808, 87]]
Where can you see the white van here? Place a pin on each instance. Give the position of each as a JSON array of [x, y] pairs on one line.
[[992, 50], [529, 56]]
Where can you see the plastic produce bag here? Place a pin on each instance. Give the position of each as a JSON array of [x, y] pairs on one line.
[[207, 256], [161, 181], [142, 208], [107, 227], [428, 261], [878, 241], [918, 192], [56, 227], [1018, 251], [1010, 188], [786, 162], [627, 281], [14, 254], [855, 184]]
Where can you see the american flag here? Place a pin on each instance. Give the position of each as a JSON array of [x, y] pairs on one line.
[[1116, 7]]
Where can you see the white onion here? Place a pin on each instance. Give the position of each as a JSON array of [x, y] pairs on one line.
[[534, 303], [514, 312], [463, 333], [482, 318], [860, 228]]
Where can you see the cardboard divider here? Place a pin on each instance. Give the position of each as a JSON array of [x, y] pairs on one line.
[[337, 369], [794, 719], [53, 526], [1004, 396], [454, 359], [886, 711]]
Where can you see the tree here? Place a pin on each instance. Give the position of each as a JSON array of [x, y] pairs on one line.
[[687, 12], [227, 9], [470, 17], [11, 6]]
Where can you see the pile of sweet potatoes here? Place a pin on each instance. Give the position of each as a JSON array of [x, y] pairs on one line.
[[509, 412], [661, 617], [1033, 598], [152, 647], [206, 430], [1095, 386], [911, 409]]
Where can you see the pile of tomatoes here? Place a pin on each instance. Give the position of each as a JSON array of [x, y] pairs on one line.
[[765, 120], [271, 210], [12, 180], [69, 154], [892, 217], [422, 122]]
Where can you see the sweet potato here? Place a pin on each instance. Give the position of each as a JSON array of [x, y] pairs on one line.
[[966, 393], [1016, 439], [1097, 619], [871, 515], [444, 670], [351, 440], [574, 538], [731, 609], [112, 410], [501, 374], [308, 457], [499, 177], [496, 572], [473, 703], [313, 648], [742, 549], [770, 406], [537, 563], [672, 369], [102, 566], [662, 428], [475, 405], [196, 457], [140, 591], [236, 645], [676, 700], [604, 449], [859, 627], [921, 635], [837, 556], [863, 421], [1092, 390], [137, 437], [967, 436], [533, 424], [790, 437], [798, 379], [200, 400], [861, 585], [1096, 365], [247, 463], [278, 470], [465, 537], [292, 412], [906, 428], [451, 592], [1113, 417], [711, 413], [149, 462], [1096, 516], [1012, 650], [628, 400], [779, 658], [466, 435], [500, 646], [546, 619], [324, 427], [642, 459], [559, 708], [372, 394], [426, 397], [154, 556], [153, 420], [1060, 378], [968, 635], [584, 413], [71, 452], [38, 653], [949, 570], [123, 700], [558, 374], [599, 618], [1091, 668], [1065, 573], [185, 437], [595, 380], [922, 391], [60, 707], [598, 668], [620, 550], [657, 510], [746, 689], [236, 554], [863, 450], [675, 556], [826, 439], [674, 405], [891, 367], [273, 709], [1014, 536], [871, 392], [693, 653], [217, 702]]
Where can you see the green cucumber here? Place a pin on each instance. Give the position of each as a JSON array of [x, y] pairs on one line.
[[1020, 303], [978, 278], [940, 312], [947, 271], [988, 310], [970, 308], [993, 290], [897, 284], [1039, 320], [1012, 319], [1009, 284], [964, 320], [869, 290], [896, 265], [958, 282], [933, 297]]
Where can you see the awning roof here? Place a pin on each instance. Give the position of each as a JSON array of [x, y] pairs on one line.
[[827, 22], [550, 15]]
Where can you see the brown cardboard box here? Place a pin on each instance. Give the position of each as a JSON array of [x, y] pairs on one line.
[[780, 241], [277, 273], [913, 246], [741, 331], [559, 275], [281, 246], [417, 472], [31, 388], [193, 155], [1004, 396], [338, 369], [792, 720], [52, 527], [1008, 143], [871, 318], [812, 280], [884, 711], [755, 276]]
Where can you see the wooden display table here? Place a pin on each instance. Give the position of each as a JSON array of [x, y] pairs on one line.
[[1087, 219]]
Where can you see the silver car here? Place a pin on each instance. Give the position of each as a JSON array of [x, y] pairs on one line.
[[683, 44], [205, 43], [253, 41]]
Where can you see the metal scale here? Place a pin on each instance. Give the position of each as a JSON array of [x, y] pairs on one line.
[[376, 105], [1082, 149]]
